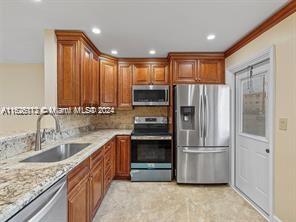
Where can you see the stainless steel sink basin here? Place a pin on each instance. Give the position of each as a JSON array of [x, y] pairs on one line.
[[58, 153]]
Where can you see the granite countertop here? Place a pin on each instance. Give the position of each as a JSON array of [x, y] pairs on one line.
[[20, 183]]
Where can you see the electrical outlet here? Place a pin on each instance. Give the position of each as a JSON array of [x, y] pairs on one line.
[[283, 124]]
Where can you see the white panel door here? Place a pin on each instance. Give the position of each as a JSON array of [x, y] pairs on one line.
[[252, 142]]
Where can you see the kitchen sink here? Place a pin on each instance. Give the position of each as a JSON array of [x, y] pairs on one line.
[[58, 153]]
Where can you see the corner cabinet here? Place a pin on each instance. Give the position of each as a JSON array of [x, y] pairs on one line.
[[108, 83], [77, 73], [90, 180], [207, 68]]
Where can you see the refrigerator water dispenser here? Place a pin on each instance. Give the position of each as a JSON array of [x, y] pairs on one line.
[[187, 115]]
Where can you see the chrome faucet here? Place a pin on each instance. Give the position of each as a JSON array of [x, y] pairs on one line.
[[41, 138]]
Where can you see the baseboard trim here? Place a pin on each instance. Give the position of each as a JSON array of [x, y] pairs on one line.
[[276, 219], [261, 212]]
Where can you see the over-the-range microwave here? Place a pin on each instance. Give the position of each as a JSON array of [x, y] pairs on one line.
[[150, 95]]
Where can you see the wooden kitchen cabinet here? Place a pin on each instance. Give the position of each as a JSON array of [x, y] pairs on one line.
[[159, 74], [211, 71], [95, 82], [184, 71], [204, 68], [68, 75], [96, 181], [86, 75], [141, 74], [123, 153], [77, 73], [78, 193], [147, 73], [108, 83], [125, 79]]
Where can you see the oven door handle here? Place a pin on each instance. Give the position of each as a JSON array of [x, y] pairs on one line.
[[151, 137]]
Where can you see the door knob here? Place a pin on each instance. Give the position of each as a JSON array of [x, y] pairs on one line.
[[267, 150]]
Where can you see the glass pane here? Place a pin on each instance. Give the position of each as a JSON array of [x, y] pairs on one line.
[[253, 106], [149, 95]]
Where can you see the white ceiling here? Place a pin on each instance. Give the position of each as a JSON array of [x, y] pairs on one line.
[[132, 27]]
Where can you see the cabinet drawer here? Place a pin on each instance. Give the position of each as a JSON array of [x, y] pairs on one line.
[[78, 174], [96, 157]]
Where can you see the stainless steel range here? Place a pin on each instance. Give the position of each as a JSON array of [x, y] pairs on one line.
[[151, 150]]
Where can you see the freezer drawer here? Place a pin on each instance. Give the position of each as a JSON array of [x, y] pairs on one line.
[[202, 165]]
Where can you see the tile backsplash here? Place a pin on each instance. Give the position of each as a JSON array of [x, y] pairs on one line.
[[75, 125], [123, 119]]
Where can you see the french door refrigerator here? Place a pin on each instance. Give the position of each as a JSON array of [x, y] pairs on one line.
[[202, 129]]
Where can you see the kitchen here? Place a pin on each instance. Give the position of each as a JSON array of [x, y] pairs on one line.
[[179, 134]]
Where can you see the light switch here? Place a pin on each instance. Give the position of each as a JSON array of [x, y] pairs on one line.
[[283, 124]]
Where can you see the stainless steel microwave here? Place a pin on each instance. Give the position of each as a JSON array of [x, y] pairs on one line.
[[150, 95]]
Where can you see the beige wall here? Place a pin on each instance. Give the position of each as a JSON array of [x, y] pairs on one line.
[[283, 37], [20, 85]]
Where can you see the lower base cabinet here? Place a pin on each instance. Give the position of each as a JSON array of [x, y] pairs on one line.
[[96, 182], [90, 180]]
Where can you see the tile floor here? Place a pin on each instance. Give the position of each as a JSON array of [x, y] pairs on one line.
[[168, 202]]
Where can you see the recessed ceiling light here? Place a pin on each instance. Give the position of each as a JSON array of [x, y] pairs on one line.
[[37, 0], [152, 52], [211, 37], [114, 52], [96, 30]]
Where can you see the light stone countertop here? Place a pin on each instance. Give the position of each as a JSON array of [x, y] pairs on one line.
[[20, 183]]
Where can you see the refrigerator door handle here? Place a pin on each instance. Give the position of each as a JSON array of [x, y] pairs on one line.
[[186, 150], [200, 113], [206, 114]]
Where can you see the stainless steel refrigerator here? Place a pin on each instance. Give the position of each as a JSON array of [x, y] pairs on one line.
[[202, 129]]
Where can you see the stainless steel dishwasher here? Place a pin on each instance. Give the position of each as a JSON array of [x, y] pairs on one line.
[[50, 206]]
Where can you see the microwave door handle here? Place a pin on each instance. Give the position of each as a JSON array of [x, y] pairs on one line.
[[166, 95]]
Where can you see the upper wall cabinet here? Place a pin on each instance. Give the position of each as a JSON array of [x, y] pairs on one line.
[[68, 74], [197, 68], [146, 73], [125, 86], [211, 71], [184, 71], [160, 74], [108, 82], [78, 74], [141, 74]]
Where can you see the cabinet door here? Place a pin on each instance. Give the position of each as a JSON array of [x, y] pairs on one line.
[[108, 83], [184, 71], [95, 83], [78, 202], [86, 76], [68, 74], [123, 144], [125, 86], [160, 74], [211, 71], [113, 161], [141, 74], [96, 185]]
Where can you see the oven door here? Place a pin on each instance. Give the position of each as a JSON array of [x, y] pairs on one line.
[[151, 153], [150, 95]]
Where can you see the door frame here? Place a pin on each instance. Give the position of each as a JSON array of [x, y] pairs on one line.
[[269, 53]]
